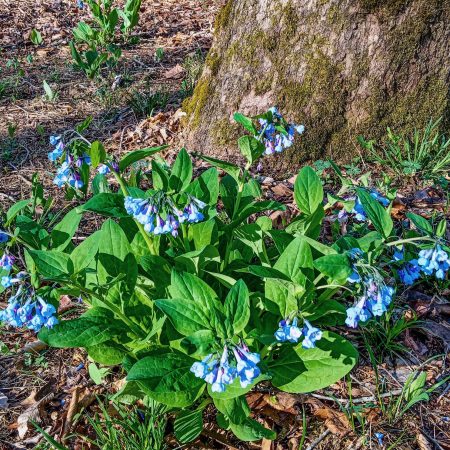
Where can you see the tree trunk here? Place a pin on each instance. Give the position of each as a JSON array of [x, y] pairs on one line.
[[340, 67]]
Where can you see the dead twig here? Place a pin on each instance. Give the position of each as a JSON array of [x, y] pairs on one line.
[[318, 440]]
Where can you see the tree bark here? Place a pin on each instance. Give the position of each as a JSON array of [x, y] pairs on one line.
[[340, 67]]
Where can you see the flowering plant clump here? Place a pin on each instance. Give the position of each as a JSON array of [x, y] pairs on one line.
[[189, 286]]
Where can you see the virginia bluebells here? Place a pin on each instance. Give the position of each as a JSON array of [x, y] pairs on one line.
[[275, 141], [58, 151], [312, 334], [409, 272], [219, 372], [159, 215], [288, 332], [434, 261], [374, 295], [26, 308]]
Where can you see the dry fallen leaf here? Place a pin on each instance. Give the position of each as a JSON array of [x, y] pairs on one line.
[[422, 442], [175, 72]]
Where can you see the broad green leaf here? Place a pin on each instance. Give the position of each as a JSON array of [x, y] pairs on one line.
[[31, 232], [251, 148], [336, 267], [187, 316], [52, 264], [265, 272], [165, 376], [107, 204], [15, 209], [160, 177], [97, 153], [235, 409], [231, 169], [377, 214], [86, 331], [296, 260], [299, 370], [237, 308], [181, 173], [137, 155], [108, 353], [203, 233], [189, 286], [206, 187], [83, 254], [251, 430], [281, 296], [420, 222], [114, 255], [96, 373], [246, 122], [308, 190], [256, 207], [188, 425], [64, 231]]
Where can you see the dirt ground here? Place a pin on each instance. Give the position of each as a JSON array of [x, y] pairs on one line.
[[47, 385]]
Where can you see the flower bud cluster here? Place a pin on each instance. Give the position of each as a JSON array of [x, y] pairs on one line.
[[290, 332]]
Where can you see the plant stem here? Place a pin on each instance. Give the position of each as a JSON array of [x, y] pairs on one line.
[[405, 241]]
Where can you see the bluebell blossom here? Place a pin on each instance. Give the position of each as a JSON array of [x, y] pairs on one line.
[[357, 313], [54, 140], [3, 237], [57, 152], [103, 169], [312, 334], [399, 255], [288, 332], [68, 174], [409, 272], [247, 369], [434, 261], [80, 4], [26, 309], [274, 140], [6, 262], [159, 215], [380, 437]]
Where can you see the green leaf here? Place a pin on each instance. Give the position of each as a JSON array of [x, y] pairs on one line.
[[251, 430], [160, 177], [295, 260], [336, 267], [48, 438], [265, 272], [441, 228], [107, 204], [97, 153], [299, 370], [108, 353], [420, 222], [203, 233], [235, 409], [165, 376], [188, 425], [96, 373], [83, 254], [206, 187], [52, 264], [35, 37], [308, 190], [231, 169], [64, 231], [237, 308], [137, 155], [251, 148], [256, 207], [376, 213], [15, 209], [281, 296], [246, 122], [186, 315], [181, 173], [86, 331]]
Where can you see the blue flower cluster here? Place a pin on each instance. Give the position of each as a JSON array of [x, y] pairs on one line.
[[3, 237], [219, 372], [150, 212], [290, 332], [375, 297], [25, 308], [410, 272], [275, 141], [434, 261], [68, 172]]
